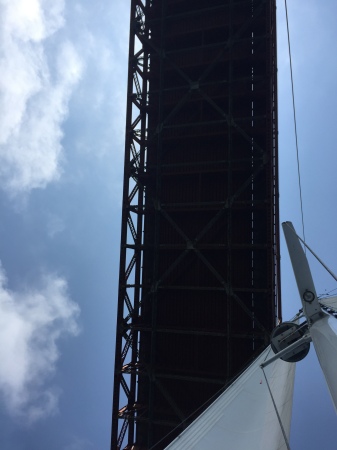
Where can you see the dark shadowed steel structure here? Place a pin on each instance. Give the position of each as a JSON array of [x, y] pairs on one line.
[[199, 266]]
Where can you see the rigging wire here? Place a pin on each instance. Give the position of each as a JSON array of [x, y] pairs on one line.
[[274, 404], [184, 423], [295, 123], [314, 254], [328, 293], [276, 411]]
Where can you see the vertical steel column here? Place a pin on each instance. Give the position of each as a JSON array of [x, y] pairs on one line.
[[277, 256], [125, 407], [229, 155], [157, 201], [272, 125]]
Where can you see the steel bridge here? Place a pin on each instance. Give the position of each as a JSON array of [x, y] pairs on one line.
[[199, 263]]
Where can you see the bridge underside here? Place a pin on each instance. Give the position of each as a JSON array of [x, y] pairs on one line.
[[198, 293]]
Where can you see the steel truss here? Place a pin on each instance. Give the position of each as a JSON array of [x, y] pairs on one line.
[[127, 364], [168, 229]]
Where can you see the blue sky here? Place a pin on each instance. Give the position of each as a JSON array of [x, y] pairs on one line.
[[62, 103], [313, 32], [62, 108]]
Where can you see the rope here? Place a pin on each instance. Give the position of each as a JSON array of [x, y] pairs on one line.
[[276, 411], [295, 123]]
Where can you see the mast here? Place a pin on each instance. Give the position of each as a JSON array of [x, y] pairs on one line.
[[322, 327]]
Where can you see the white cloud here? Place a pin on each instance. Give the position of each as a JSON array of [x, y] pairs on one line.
[[31, 323], [32, 19], [34, 92]]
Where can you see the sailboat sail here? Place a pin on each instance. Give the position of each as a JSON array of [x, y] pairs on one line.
[[324, 336], [245, 415]]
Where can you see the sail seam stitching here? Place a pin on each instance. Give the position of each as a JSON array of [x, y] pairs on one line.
[[276, 411]]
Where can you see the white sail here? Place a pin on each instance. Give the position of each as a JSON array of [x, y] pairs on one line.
[[324, 336], [244, 416]]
